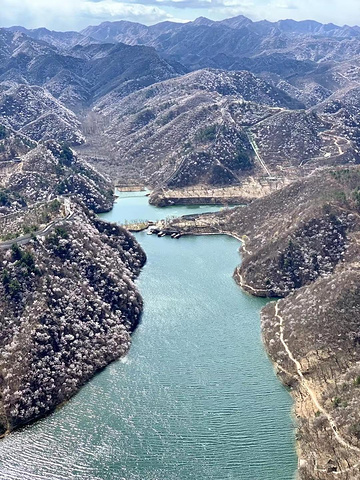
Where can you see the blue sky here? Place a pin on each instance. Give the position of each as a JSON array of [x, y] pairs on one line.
[[76, 14]]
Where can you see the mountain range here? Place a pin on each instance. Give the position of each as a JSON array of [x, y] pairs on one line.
[[180, 105], [248, 112]]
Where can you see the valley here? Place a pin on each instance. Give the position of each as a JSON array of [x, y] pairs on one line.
[[199, 117], [301, 244]]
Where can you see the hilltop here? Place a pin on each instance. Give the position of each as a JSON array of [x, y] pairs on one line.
[[34, 172]]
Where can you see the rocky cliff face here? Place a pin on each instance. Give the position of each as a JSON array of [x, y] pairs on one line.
[[68, 306]]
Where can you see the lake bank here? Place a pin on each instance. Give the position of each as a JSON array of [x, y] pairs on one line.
[[195, 398]]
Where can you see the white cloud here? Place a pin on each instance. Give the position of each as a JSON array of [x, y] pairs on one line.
[[76, 14], [109, 9], [327, 11]]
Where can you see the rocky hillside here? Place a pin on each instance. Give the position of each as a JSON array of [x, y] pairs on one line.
[[216, 128], [314, 65], [68, 306], [13, 145], [34, 112], [181, 131], [85, 72], [68, 301], [313, 338], [279, 105], [46, 171]]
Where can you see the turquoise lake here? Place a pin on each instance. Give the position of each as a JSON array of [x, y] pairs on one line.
[[195, 398]]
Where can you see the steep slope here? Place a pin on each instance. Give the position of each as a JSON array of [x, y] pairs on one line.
[[160, 135], [83, 72], [68, 306], [13, 145], [180, 131], [305, 139], [49, 170], [34, 112], [122, 68]]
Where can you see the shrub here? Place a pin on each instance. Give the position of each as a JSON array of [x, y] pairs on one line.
[[66, 155], [5, 277], [4, 198], [355, 430], [221, 176], [53, 241], [16, 253], [61, 232], [30, 228], [356, 197], [54, 206], [144, 117], [14, 288], [207, 134], [240, 161], [2, 132], [167, 117], [61, 187]]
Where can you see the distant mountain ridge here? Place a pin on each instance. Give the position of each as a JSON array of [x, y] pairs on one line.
[[239, 43], [184, 104], [107, 31], [60, 40], [83, 72]]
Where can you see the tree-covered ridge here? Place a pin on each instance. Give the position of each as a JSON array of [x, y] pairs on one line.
[[68, 307]]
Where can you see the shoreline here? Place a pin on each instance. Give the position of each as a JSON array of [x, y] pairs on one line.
[[295, 395], [306, 405]]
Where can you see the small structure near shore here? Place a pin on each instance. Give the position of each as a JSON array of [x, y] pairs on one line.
[[164, 232], [138, 226], [122, 187]]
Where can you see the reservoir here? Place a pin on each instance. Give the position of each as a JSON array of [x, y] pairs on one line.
[[196, 397]]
